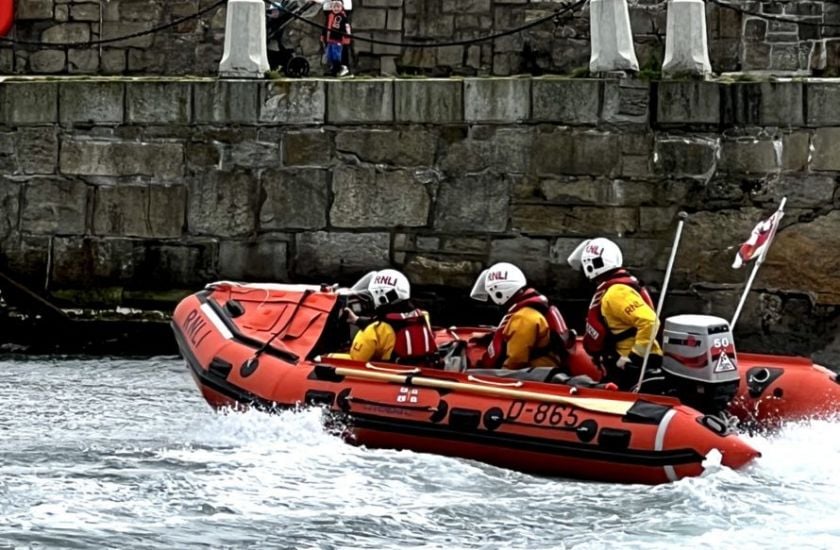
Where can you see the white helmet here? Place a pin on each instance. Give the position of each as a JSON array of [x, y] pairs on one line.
[[499, 282], [385, 287], [596, 257]]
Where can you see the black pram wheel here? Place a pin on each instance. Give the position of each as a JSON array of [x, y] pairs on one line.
[[297, 67]]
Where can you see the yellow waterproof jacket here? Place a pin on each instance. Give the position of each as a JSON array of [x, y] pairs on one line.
[[374, 343], [524, 335], [624, 308], [378, 340]]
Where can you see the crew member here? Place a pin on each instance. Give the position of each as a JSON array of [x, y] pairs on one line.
[[532, 333], [399, 332], [621, 321]]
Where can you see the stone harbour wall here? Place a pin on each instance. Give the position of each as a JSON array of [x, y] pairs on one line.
[[135, 192], [737, 41]]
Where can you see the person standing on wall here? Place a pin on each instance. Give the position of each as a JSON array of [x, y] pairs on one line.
[[621, 320], [348, 10], [336, 37]]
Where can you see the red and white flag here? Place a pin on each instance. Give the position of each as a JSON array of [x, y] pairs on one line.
[[760, 239]]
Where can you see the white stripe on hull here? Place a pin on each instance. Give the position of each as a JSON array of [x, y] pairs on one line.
[[660, 440]]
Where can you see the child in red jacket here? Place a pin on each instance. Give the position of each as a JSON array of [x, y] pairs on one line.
[[336, 37]]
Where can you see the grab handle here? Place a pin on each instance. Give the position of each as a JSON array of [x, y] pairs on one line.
[[516, 384], [371, 366]]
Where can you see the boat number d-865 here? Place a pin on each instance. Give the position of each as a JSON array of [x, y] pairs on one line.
[[548, 414]]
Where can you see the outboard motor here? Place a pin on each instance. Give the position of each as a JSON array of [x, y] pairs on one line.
[[699, 362]]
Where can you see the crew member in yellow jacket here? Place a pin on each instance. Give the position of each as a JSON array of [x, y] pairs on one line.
[[399, 332], [621, 321], [532, 333]]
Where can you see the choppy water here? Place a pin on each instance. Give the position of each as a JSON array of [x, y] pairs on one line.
[[125, 454]]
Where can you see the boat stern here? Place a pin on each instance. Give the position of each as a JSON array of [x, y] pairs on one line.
[[705, 435]]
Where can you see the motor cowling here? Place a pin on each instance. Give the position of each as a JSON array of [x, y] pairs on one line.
[[700, 361]]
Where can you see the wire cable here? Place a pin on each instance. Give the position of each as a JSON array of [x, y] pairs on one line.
[[557, 15], [101, 41]]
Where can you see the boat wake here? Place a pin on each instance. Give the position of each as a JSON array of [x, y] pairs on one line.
[[372, 496]]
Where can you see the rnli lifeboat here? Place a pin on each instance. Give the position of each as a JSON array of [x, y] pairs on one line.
[[268, 346]]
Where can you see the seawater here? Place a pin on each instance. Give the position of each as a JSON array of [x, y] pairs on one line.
[[114, 453]]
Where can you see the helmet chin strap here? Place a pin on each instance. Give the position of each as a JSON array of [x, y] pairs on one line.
[[510, 300], [605, 274]]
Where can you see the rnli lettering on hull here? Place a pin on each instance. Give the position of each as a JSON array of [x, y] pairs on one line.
[[196, 328]]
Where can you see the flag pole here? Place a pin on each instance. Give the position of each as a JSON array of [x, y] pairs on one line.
[[744, 295], [758, 263], [681, 217]]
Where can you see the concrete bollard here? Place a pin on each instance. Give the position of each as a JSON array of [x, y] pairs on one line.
[[245, 54], [686, 45], [612, 37]]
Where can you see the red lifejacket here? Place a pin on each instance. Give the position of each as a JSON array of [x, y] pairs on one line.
[[598, 338], [336, 25], [561, 339], [415, 342]]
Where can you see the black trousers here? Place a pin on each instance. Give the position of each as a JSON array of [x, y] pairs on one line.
[[345, 51]]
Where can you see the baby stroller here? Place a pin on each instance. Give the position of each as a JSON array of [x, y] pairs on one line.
[[278, 15]]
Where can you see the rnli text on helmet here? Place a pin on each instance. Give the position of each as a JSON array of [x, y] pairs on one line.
[[497, 276], [594, 249], [385, 280]]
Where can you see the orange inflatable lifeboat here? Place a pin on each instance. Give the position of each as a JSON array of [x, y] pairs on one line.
[[266, 346]]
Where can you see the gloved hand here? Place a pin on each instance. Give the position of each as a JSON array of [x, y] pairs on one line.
[[631, 359], [349, 316]]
